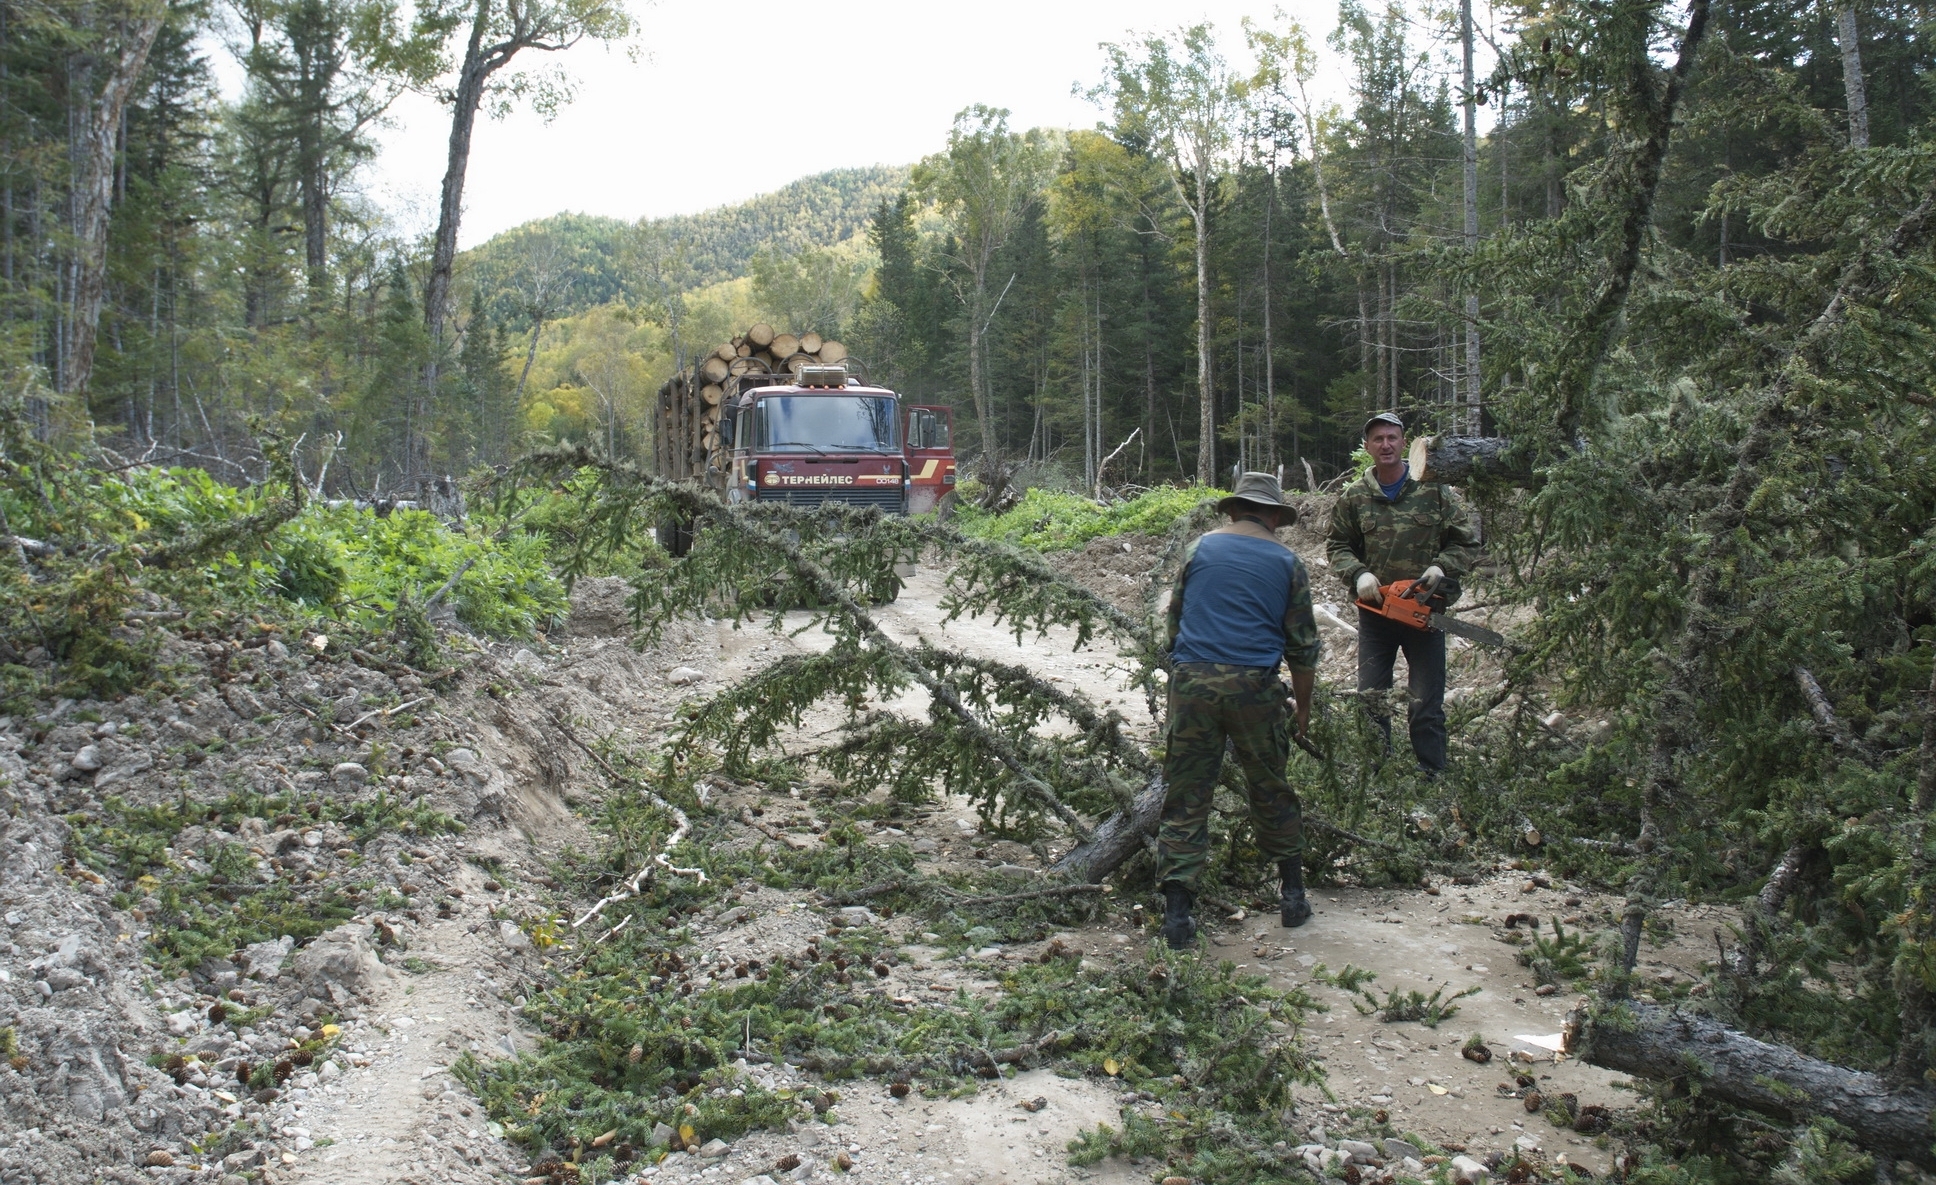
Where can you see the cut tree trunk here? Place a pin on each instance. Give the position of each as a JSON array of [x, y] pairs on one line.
[[1654, 1042], [1116, 838], [832, 352], [1593, 331], [714, 370], [1458, 459], [760, 336], [810, 343], [784, 346]]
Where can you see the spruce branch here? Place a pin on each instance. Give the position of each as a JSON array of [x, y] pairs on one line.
[[1867, 277], [857, 619], [682, 827], [1592, 335]]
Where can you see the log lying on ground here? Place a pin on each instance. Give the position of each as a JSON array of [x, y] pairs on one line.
[[1115, 839], [1654, 1042]]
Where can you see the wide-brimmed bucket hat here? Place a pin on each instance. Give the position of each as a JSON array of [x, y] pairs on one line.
[[1257, 489]]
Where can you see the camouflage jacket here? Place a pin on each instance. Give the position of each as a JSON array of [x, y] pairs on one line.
[[1302, 647], [1399, 539]]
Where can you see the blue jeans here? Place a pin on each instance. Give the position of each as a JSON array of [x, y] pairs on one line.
[[1379, 641]]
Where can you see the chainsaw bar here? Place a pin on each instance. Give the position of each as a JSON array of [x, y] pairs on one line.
[[1466, 629]]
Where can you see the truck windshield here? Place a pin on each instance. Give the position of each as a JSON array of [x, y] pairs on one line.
[[826, 423]]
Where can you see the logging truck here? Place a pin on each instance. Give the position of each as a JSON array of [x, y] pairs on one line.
[[776, 418]]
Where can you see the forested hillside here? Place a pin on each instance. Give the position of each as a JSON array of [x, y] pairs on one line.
[[598, 259], [1225, 270]]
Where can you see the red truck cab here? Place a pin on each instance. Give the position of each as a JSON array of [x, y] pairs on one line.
[[825, 438]]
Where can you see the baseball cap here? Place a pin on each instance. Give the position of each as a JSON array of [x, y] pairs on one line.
[[1385, 417]]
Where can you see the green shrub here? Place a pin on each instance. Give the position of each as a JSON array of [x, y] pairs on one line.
[[354, 563], [1050, 520], [509, 591]]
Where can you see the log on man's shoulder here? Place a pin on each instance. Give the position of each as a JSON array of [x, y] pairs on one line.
[[1459, 459]]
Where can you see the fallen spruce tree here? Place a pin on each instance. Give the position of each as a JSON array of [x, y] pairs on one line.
[[1041, 762], [1698, 1054]]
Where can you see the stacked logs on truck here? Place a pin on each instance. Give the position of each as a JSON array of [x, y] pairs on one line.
[[690, 401]]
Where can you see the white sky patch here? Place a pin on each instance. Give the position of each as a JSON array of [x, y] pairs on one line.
[[727, 101]]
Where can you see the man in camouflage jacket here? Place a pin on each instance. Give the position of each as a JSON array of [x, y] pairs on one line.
[[1240, 606], [1387, 527]]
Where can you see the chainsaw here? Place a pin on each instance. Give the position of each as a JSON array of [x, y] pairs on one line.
[[1405, 603]]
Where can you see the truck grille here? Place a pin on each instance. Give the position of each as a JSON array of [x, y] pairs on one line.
[[888, 500]]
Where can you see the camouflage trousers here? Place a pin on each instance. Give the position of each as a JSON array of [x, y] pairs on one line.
[[1211, 703]]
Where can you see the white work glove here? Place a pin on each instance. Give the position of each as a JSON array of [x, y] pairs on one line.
[[1368, 589], [1431, 578]]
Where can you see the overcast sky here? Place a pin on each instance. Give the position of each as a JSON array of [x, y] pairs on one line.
[[734, 99]]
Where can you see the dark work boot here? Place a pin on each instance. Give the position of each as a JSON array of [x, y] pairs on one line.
[[1295, 909], [1179, 928]]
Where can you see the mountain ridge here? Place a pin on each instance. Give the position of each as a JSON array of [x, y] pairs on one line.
[[819, 210]]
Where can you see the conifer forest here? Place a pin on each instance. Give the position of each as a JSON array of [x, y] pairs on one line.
[[412, 770]]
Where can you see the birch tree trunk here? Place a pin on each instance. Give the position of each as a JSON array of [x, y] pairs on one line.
[[983, 415], [1206, 407], [127, 40], [1857, 90], [1270, 368], [476, 70], [1469, 380]]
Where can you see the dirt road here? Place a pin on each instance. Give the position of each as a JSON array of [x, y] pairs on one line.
[[383, 1106]]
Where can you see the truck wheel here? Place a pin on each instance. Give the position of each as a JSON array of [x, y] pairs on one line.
[[675, 537]]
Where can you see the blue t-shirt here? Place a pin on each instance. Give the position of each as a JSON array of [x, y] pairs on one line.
[[1235, 595], [1398, 487]]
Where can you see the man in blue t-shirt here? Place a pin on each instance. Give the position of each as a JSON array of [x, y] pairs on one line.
[[1240, 605]]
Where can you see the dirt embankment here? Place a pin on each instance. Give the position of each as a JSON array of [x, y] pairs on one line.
[[324, 792]]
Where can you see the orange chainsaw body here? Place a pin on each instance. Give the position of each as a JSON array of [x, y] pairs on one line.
[[1405, 603]]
